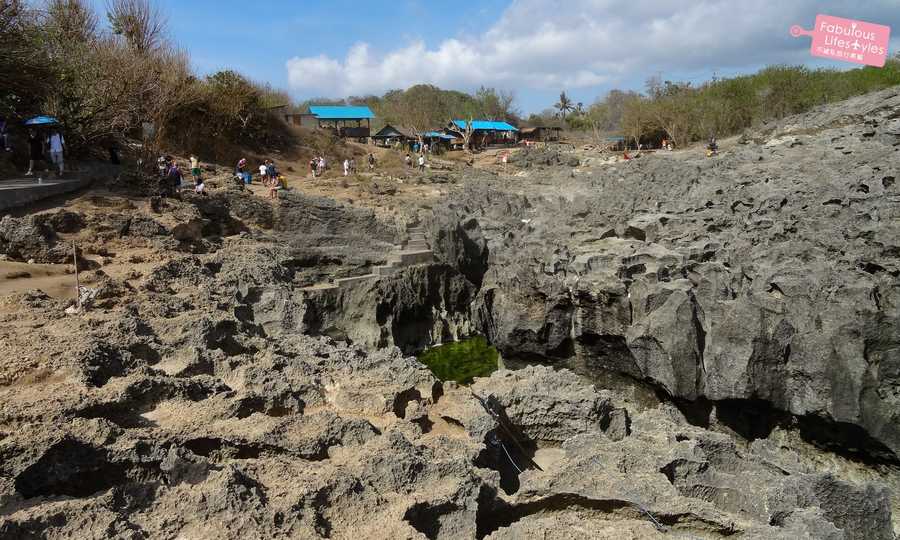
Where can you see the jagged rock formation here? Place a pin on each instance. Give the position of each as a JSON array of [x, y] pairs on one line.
[[769, 275], [219, 394]]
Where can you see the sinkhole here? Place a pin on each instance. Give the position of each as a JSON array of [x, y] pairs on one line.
[[461, 361]]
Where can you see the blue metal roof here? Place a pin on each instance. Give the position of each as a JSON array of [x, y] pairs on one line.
[[341, 112], [487, 125], [437, 135]]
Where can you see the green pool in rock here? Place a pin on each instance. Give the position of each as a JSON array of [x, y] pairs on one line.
[[461, 361]]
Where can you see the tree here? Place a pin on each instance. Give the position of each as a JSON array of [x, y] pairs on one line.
[[139, 22], [564, 105], [24, 65], [496, 105], [233, 101], [635, 117]]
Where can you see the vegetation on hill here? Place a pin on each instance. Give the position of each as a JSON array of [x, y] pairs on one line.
[[124, 80], [425, 106], [127, 79], [683, 112]]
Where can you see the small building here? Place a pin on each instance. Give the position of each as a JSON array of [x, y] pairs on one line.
[[486, 132], [346, 121], [616, 143], [390, 134], [540, 134], [307, 120], [438, 140]]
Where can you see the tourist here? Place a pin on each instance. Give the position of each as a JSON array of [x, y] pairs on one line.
[[35, 151], [371, 160], [56, 143], [274, 185], [4, 135], [262, 173], [346, 167], [271, 172], [173, 179], [422, 163], [195, 169], [243, 173], [199, 186]]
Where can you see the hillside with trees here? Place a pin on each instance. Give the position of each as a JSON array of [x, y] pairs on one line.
[[124, 80], [684, 113]]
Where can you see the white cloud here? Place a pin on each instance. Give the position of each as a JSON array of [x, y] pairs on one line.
[[544, 44]]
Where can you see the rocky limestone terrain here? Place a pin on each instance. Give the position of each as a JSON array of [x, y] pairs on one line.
[[767, 278], [216, 387]]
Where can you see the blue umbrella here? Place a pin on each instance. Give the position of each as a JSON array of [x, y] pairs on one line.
[[41, 121]]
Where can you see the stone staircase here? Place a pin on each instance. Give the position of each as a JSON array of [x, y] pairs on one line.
[[414, 250]]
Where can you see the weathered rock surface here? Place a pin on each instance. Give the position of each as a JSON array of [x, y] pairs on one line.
[[768, 275], [218, 393]]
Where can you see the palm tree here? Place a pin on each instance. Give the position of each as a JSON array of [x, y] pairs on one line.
[[564, 104]]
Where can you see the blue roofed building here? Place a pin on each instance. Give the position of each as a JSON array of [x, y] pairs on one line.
[[487, 125], [484, 132], [350, 121]]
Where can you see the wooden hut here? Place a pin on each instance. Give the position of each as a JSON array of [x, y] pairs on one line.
[[540, 134], [390, 134]]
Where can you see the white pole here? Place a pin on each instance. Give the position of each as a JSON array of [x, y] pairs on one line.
[[77, 286]]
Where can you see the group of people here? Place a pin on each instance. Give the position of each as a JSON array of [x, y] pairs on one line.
[[317, 166], [172, 179], [268, 176], [40, 146], [349, 166], [409, 161]]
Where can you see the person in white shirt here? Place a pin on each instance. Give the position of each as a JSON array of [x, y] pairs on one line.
[[262, 173], [57, 144], [422, 163], [346, 167]]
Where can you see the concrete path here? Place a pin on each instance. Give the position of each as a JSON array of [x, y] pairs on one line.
[[21, 191]]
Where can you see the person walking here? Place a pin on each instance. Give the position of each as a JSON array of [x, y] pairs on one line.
[[195, 169], [352, 165], [4, 135], [408, 161], [262, 172], [371, 160], [56, 143], [271, 172], [321, 165], [173, 179], [35, 151], [422, 163], [346, 167]]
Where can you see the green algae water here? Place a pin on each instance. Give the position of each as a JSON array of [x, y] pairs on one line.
[[461, 361]]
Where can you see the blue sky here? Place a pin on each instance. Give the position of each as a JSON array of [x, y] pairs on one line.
[[533, 47]]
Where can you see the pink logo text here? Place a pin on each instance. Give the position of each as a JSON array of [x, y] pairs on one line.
[[848, 40]]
